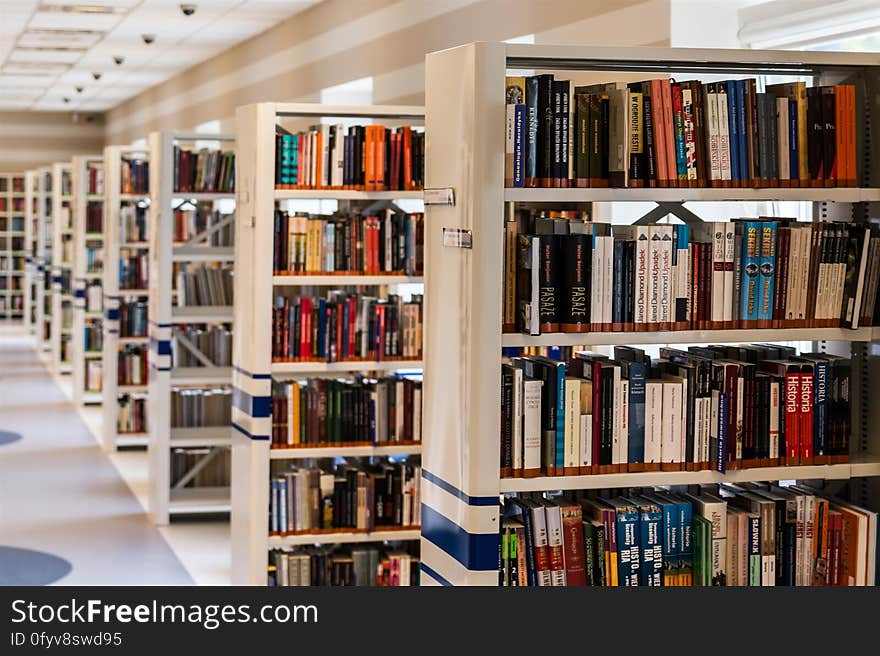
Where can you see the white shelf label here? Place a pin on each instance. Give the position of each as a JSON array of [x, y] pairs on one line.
[[457, 238], [440, 196]]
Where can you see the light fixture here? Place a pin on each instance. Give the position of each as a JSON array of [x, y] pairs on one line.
[[79, 89], [96, 75]]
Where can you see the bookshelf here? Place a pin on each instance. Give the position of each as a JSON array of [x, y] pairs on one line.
[[170, 498], [44, 260], [32, 270], [88, 199], [255, 287], [13, 248], [118, 399], [61, 326], [465, 117]]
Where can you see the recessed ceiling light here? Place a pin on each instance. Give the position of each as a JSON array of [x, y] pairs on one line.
[[67, 100], [82, 9], [96, 75], [79, 89]]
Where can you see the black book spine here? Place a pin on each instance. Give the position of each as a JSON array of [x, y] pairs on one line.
[[576, 257], [629, 314], [815, 138], [556, 100], [506, 420], [650, 155], [545, 129], [531, 154], [548, 281], [618, 282], [564, 133]]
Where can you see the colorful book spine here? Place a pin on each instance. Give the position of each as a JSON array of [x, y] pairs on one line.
[[750, 271], [767, 272]]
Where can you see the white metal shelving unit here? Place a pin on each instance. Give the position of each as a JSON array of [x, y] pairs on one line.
[[83, 198], [33, 272], [465, 113], [62, 267], [167, 500], [254, 369], [44, 261], [13, 247], [114, 200]]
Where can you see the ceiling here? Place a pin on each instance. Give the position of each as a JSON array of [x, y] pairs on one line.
[[51, 49]]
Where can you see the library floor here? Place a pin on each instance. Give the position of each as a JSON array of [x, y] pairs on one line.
[[71, 514]]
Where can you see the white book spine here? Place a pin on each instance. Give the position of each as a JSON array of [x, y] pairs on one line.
[[698, 429], [615, 424], [654, 249], [809, 537], [597, 277], [782, 139], [517, 419], [539, 533], [642, 282], [718, 255], [774, 419], [670, 446], [608, 279], [729, 256], [624, 421], [723, 134], [554, 540], [509, 132], [793, 282], [532, 424], [806, 252], [713, 418], [586, 440], [665, 301], [653, 421], [572, 422], [712, 129]]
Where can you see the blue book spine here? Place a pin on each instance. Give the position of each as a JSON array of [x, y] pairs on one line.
[[741, 133], [530, 551], [686, 552], [519, 145], [554, 352], [680, 153], [733, 128], [636, 418], [723, 419], [793, 165], [531, 145], [293, 159], [560, 415], [651, 567], [628, 556], [767, 269], [671, 542], [750, 263], [820, 409]]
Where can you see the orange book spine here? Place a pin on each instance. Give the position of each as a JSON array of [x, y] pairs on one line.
[[407, 159]]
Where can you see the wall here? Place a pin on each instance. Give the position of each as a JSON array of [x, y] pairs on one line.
[[337, 41], [31, 139]]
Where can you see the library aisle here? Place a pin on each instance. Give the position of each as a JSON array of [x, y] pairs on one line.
[[58, 491]]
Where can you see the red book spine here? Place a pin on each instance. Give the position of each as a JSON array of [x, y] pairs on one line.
[[352, 323], [573, 546], [792, 418], [407, 159], [805, 434]]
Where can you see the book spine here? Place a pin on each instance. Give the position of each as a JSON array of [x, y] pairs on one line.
[[767, 273], [636, 142], [679, 136]]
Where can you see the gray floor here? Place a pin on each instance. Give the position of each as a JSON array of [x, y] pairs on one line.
[[60, 495]]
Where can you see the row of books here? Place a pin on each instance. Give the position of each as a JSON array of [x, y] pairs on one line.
[[362, 157], [214, 473], [205, 170], [132, 414], [132, 365], [11, 263], [132, 224], [204, 285], [94, 376], [325, 411], [365, 497], [346, 327], [190, 223], [390, 242], [669, 133], [133, 268], [362, 565], [93, 337], [753, 534], [95, 179], [132, 318], [713, 407], [214, 342], [562, 274], [12, 223], [94, 216], [135, 174], [192, 408], [12, 303], [94, 297], [16, 186]]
